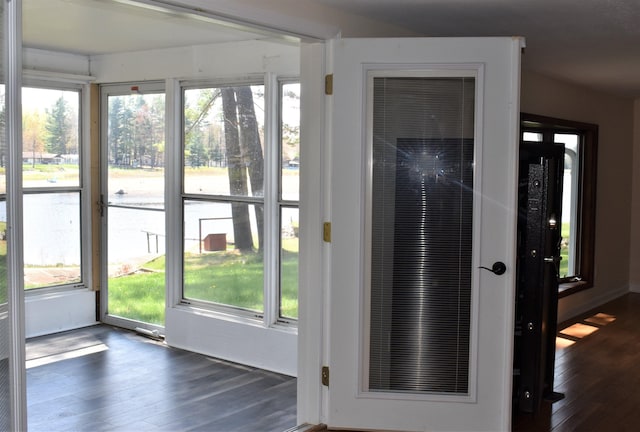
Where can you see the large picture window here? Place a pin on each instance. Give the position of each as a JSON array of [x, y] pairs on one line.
[[578, 194]]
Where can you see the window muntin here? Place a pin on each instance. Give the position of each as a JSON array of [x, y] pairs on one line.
[[52, 183]]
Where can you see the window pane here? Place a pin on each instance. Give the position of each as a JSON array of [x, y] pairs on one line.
[[136, 248], [223, 140], [223, 262], [50, 136], [290, 142], [570, 188], [51, 239], [289, 223], [532, 136], [421, 234], [136, 150]]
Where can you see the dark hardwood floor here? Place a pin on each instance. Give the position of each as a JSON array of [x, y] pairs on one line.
[[106, 379], [597, 373], [121, 381]]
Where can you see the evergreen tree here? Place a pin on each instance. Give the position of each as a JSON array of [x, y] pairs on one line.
[[58, 127]]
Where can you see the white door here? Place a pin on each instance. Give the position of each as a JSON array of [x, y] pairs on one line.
[[423, 193]]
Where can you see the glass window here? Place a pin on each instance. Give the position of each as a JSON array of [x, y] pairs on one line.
[[288, 199], [223, 166], [51, 166], [234, 175], [570, 185], [579, 193]]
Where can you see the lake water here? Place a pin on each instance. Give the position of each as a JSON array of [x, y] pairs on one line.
[[52, 227]]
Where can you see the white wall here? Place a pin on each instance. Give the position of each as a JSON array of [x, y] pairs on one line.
[[233, 59], [60, 311], [614, 117], [50, 312]]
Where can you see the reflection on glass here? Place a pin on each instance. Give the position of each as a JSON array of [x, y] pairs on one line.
[[289, 242], [223, 140], [223, 262], [50, 137], [290, 142], [421, 242], [136, 263], [51, 239]]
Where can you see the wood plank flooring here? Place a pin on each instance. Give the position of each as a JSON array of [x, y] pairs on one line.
[[597, 373], [106, 379], [121, 381]]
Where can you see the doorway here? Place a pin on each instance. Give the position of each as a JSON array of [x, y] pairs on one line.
[[133, 205]]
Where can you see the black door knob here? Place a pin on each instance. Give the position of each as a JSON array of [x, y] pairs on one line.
[[498, 268]]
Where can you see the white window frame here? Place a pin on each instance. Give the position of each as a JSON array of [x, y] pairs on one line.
[[79, 84], [271, 202]]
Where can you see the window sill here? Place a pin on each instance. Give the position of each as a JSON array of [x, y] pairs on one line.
[[568, 288]]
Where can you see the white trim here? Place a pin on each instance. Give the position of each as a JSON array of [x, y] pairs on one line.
[[312, 262], [172, 193], [517, 43], [12, 41], [270, 206], [57, 77]]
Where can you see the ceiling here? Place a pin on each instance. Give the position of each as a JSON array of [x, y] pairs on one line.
[[93, 27], [595, 43]]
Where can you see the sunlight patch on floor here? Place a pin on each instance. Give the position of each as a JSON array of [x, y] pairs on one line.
[[579, 330], [66, 355], [562, 342], [570, 335], [601, 319]]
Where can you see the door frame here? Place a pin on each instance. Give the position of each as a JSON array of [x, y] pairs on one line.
[[119, 89]]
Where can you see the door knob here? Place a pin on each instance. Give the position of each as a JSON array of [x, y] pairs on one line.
[[498, 268]]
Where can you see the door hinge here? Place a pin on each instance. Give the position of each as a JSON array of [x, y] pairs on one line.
[[325, 376], [328, 84], [326, 232]]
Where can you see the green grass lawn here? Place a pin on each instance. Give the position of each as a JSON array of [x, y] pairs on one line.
[[564, 250], [228, 278]]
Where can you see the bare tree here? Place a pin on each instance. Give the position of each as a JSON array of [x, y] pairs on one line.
[[237, 172], [252, 150]]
